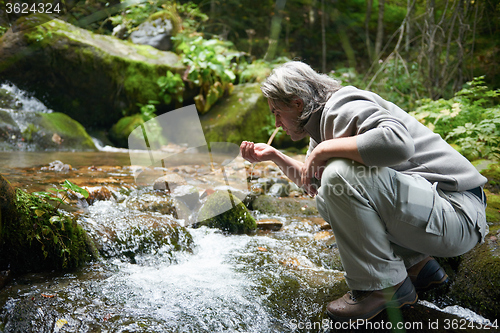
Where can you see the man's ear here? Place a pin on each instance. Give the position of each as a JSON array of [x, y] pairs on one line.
[[299, 103]]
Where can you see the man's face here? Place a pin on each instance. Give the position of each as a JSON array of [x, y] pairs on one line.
[[287, 117]]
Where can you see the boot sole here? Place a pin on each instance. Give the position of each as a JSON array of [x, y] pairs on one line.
[[395, 304]]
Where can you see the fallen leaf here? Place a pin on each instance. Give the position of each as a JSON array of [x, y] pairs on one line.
[[260, 248], [61, 322]]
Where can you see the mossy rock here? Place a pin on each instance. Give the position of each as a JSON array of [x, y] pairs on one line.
[[226, 212], [120, 131], [42, 131], [95, 79], [477, 281], [493, 209], [240, 116], [492, 172], [284, 206], [243, 115], [37, 237]]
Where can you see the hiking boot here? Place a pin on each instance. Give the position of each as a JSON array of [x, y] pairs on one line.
[[358, 304], [427, 274]]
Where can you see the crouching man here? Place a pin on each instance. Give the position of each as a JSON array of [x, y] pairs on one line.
[[394, 192]]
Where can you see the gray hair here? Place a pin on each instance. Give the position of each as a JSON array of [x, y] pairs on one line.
[[297, 79]]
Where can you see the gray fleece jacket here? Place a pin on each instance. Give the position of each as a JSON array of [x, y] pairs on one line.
[[388, 136]]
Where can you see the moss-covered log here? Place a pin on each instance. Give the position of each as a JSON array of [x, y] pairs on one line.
[[35, 236]]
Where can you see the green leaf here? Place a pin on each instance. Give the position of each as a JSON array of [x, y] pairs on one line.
[[54, 219]]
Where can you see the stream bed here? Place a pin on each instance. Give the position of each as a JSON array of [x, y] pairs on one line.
[[272, 281]]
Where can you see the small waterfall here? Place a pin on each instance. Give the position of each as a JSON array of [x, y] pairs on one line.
[[23, 101]]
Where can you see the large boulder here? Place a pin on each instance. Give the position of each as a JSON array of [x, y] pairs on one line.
[[243, 115], [42, 131], [93, 78]]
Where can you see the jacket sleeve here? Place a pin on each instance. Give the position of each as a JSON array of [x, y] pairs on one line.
[[382, 139]]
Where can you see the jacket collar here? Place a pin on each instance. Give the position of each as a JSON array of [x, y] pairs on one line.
[[312, 126]]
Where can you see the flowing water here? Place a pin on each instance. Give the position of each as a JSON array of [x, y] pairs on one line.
[[272, 281], [235, 283]]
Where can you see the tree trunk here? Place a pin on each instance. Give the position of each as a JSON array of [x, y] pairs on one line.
[[323, 36], [380, 28], [369, 5]]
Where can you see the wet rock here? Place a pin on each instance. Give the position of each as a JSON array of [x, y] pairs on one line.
[[476, 282], [9, 100], [155, 32], [284, 206], [129, 234], [225, 211], [153, 202], [269, 224], [279, 190], [168, 182], [187, 194], [105, 72], [5, 277], [98, 194], [319, 221], [57, 166], [21, 130]]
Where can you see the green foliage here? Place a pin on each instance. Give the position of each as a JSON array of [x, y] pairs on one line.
[[259, 70], [148, 111], [43, 237], [209, 65], [471, 119], [171, 85], [67, 188]]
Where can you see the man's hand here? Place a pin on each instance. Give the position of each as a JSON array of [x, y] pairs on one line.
[[313, 167], [257, 152]]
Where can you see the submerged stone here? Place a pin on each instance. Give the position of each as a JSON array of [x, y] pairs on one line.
[[225, 211]]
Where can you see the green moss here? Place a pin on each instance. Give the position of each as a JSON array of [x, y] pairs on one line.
[[121, 130], [73, 133], [479, 294], [492, 172], [111, 75], [224, 211], [37, 237], [140, 79], [238, 117], [493, 207]]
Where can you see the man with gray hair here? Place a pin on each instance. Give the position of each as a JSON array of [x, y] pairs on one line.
[[394, 192]]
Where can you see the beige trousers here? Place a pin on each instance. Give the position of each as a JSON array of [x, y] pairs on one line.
[[385, 221]]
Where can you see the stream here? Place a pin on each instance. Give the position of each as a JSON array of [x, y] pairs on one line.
[[275, 281], [236, 283], [271, 281]]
